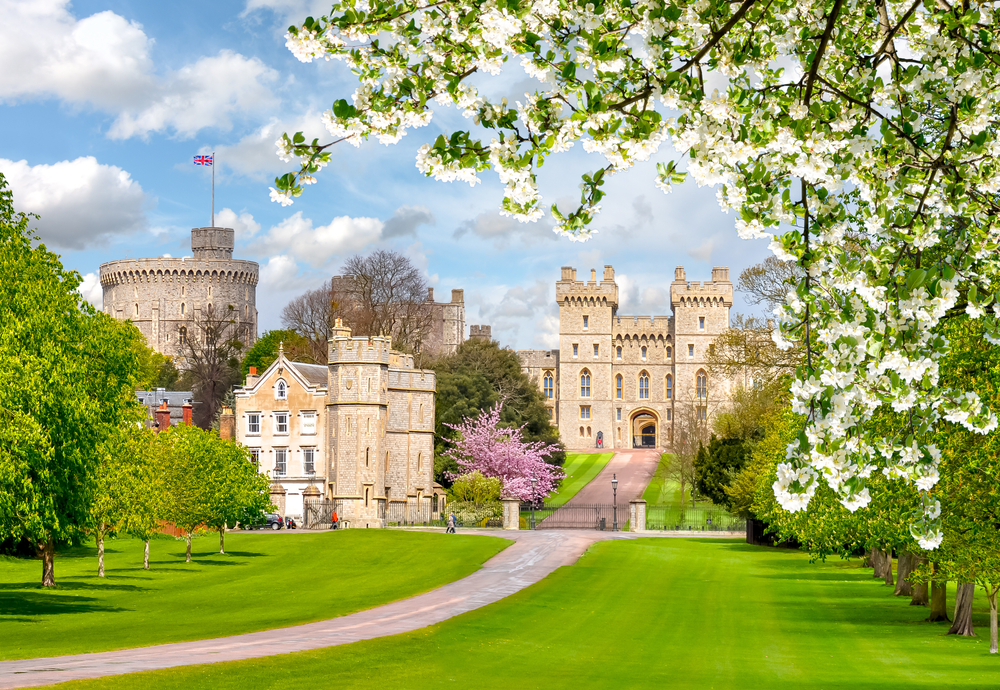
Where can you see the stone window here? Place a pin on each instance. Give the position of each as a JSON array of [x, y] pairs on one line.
[[619, 411], [551, 414], [576, 350], [547, 384], [643, 353], [182, 336], [348, 425], [367, 458], [137, 309], [420, 415], [387, 469], [584, 411], [596, 350], [581, 432], [588, 432], [308, 422], [586, 322], [618, 352], [701, 385], [280, 462], [183, 308], [690, 351], [281, 422], [668, 393], [309, 460], [711, 349], [281, 390], [618, 387], [420, 461], [619, 433], [644, 386], [670, 415], [669, 352], [701, 323], [702, 414], [585, 384], [253, 423]]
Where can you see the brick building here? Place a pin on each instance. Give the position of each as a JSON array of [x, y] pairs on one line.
[[631, 379]]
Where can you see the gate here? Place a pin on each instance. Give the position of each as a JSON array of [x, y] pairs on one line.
[[599, 516], [319, 514], [400, 513]]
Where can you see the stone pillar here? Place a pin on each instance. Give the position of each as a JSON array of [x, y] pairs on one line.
[[278, 498], [511, 513], [637, 515]]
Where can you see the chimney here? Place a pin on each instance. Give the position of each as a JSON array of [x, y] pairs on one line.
[[593, 275], [609, 273], [720, 274], [227, 424], [162, 417], [252, 377], [457, 296], [679, 275], [186, 412], [430, 294], [568, 273]]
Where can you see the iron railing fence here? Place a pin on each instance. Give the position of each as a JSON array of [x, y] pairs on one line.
[[713, 519], [318, 514], [401, 514], [599, 516]]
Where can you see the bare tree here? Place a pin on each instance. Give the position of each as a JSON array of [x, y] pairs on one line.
[[212, 361], [311, 315], [690, 433], [769, 281]]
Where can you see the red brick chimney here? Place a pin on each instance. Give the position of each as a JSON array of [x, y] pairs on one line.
[[227, 424], [186, 413], [162, 417]]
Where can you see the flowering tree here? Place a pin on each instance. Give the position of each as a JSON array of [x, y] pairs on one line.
[[484, 446], [858, 139]]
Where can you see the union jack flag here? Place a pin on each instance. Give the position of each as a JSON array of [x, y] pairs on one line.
[[203, 160]]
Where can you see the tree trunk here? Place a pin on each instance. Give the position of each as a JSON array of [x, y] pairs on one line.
[[222, 539], [963, 610], [919, 591], [49, 562], [682, 492], [188, 548], [904, 567], [145, 556], [887, 567], [100, 551], [992, 596], [939, 600], [875, 562]]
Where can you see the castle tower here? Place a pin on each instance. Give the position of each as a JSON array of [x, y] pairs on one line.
[[701, 312], [166, 297], [586, 312]]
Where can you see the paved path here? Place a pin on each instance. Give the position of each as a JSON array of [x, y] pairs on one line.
[[633, 468], [532, 557]]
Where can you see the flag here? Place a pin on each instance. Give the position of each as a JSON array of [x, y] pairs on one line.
[[203, 160]]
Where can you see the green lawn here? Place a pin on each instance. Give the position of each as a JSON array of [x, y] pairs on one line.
[[580, 470], [266, 580], [656, 613], [665, 510]]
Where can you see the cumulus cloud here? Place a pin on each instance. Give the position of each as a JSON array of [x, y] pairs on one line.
[[104, 61], [530, 310], [288, 11], [256, 153], [243, 223], [502, 230], [279, 274], [90, 289], [80, 202], [297, 237], [406, 220]]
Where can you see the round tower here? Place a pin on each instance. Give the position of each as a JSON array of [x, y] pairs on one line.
[[166, 298]]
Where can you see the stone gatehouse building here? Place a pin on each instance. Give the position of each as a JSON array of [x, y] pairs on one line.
[[631, 380], [358, 431], [166, 297]]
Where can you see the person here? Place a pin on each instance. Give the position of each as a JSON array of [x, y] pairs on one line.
[[335, 520], [451, 524]]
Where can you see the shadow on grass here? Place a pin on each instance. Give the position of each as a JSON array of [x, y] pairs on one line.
[[69, 585], [23, 606]]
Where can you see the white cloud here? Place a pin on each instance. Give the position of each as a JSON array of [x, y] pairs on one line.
[[243, 223], [529, 310], [256, 153], [279, 274], [703, 252], [295, 236], [502, 230], [288, 11], [104, 61], [90, 289], [79, 202]]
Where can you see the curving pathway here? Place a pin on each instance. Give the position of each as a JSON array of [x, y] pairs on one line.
[[531, 558]]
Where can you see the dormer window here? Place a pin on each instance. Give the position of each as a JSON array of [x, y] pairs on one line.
[[281, 390]]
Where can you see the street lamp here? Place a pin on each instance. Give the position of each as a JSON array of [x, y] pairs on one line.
[[614, 489], [534, 480]]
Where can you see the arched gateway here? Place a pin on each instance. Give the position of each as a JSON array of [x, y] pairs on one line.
[[643, 424]]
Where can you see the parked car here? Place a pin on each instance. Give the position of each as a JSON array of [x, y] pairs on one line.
[[267, 521]]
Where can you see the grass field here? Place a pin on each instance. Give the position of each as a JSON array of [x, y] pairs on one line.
[[266, 580], [580, 470], [665, 510], [650, 613]]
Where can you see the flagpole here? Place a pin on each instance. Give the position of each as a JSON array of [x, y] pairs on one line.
[[213, 189]]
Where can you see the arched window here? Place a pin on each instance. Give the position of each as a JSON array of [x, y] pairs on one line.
[[644, 386], [183, 308], [547, 384], [618, 352], [281, 390], [643, 353], [588, 432], [585, 384], [136, 308], [182, 336], [581, 432], [670, 352], [668, 393], [618, 387], [701, 386]]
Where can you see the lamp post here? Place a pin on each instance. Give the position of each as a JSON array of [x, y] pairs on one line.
[[614, 490], [534, 480]]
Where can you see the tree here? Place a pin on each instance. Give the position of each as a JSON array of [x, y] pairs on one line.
[[690, 434], [485, 446], [67, 382], [146, 509], [746, 355], [213, 361], [717, 465], [236, 487], [310, 315], [680, 468], [768, 282], [156, 370], [182, 456], [833, 120], [265, 350], [476, 488]]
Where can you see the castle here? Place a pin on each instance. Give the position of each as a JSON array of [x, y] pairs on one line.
[[631, 381], [166, 297], [358, 431]]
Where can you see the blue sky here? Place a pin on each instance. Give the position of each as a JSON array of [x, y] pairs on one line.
[[106, 102]]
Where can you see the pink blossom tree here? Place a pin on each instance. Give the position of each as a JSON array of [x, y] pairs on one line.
[[494, 451]]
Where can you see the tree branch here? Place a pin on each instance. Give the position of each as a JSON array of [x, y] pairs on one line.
[[823, 41]]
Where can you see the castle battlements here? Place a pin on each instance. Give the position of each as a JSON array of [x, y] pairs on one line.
[[569, 290]]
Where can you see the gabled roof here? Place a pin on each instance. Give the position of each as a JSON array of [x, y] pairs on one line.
[[315, 374], [309, 376]]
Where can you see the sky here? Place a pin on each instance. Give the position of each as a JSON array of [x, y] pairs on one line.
[[105, 103]]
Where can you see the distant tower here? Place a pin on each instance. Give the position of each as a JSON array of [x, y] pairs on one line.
[[480, 333], [166, 297]]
